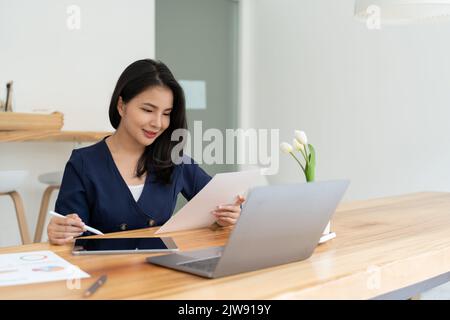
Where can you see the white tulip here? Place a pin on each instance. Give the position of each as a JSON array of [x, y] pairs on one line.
[[286, 147], [301, 137], [298, 146]]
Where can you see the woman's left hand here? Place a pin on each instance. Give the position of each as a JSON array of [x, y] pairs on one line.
[[228, 214]]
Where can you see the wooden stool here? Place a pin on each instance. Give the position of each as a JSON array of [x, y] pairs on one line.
[[9, 182], [53, 179]]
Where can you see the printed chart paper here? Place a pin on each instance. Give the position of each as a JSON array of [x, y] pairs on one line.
[[36, 267], [222, 189]]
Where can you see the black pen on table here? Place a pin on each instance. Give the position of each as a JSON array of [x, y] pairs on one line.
[[97, 284]]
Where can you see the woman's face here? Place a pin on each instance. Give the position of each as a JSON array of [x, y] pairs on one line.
[[147, 115]]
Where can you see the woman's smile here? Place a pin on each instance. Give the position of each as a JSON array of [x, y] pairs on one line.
[[150, 134]]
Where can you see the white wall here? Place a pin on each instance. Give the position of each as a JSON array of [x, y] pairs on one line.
[[374, 103], [73, 71]]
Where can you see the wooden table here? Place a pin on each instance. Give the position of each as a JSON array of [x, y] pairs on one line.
[[397, 246]]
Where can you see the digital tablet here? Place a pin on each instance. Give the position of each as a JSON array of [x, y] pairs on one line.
[[123, 246]]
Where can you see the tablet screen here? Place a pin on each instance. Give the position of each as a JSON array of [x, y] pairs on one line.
[[122, 244]]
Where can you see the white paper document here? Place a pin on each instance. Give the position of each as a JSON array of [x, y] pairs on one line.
[[222, 189], [36, 267]]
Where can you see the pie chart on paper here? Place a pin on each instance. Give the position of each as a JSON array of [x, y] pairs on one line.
[[33, 257]]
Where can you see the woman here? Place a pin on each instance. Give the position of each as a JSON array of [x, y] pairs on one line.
[[129, 180]]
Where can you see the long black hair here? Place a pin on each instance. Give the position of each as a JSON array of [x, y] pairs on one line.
[[136, 78]]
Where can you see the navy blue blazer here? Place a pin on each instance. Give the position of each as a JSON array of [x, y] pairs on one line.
[[93, 187]]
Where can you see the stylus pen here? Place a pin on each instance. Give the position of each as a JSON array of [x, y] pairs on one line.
[[97, 284], [87, 228]]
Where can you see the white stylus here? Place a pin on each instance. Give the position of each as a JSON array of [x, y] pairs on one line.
[[87, 228]]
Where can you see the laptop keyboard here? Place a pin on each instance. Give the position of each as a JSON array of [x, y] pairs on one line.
[[204, 265]]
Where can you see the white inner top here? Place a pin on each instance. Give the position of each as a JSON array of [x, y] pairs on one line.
[[136, 191]]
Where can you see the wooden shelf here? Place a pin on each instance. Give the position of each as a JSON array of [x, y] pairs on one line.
[[52, 135], [18, 121]]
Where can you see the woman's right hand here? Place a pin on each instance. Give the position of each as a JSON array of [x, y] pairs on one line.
[[61, 231]]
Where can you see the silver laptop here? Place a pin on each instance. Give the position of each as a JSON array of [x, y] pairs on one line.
[[278, 224]]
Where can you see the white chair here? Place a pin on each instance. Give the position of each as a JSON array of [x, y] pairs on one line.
[[53, 180], [9, 182]]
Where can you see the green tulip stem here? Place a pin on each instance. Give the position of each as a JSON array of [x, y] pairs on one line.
[[303, 151], [292, 154]]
